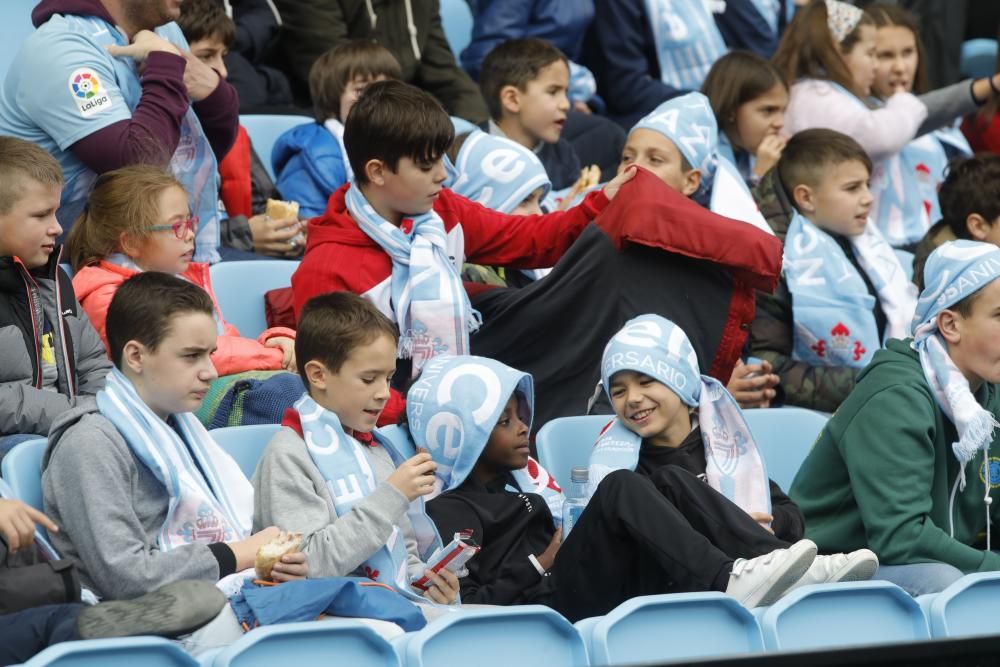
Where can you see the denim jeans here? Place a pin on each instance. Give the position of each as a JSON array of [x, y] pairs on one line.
[[25, 633], [920, 578]]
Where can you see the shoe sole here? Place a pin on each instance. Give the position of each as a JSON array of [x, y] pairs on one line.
[[170, 611], [861, 569], [800, 557]]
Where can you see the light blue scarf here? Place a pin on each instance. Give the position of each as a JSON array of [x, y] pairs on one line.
[[833, 311], [689, 123], [655, 346], [687, 41], [954, 271], [452, 409], [497, 172], [350, 479], [210, 498], [431, 307]]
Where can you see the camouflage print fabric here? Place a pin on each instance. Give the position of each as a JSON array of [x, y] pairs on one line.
[[935, 236], [815, 387]]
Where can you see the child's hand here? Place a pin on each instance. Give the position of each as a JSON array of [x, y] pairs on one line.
[[764, 519], [274, 237], [581, 107], [144, 43], [612, 187], [768, 153], [443, 586], [548, 557], [246, 550], [756, 391], [415, 476], [17, 523], [291, 567], [287, 346]]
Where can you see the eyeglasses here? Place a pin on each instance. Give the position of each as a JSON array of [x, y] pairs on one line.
[[179, 228]]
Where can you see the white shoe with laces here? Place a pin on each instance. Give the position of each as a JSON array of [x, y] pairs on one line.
[[762, 580], [858, 565]]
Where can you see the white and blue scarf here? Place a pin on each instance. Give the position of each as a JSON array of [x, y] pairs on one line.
[[834, 313], [451, 411], [336, 128], [349, 478], [497, 172], [689, 123], [431, 307], [210, 498], [655, 346], [954, 271], [687, 41]]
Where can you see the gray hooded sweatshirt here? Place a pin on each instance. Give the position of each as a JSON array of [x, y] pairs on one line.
[[110, 507]]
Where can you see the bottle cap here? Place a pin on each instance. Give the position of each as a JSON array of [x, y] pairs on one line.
[[579, 475]]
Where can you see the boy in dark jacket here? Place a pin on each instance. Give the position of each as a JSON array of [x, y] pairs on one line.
[[53, 359]]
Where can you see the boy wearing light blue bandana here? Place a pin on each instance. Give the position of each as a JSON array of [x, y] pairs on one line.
[[679, 142], [843, 289], [355, 495], [905, 466], [473, 414]]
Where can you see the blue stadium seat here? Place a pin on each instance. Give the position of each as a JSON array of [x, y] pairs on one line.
[[264, 130], [660, 628], [979, 58], [970, 606], [122, 652], [246, 444], [329, 642], [485, 637], [565, 443], [240, 287], [456, 19], [21, 468], [784, 437], [906, 259], [15, 25], [844, 614]]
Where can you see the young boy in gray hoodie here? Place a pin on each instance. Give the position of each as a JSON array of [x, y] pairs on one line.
[[329, 475], [142, 493]]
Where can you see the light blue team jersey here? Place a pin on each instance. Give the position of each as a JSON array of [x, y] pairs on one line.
[[63, 86]]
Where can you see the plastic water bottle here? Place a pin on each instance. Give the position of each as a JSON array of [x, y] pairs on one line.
[[576, 499]]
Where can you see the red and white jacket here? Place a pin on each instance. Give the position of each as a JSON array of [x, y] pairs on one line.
[[339, 256]]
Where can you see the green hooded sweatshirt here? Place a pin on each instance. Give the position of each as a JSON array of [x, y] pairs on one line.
[[881, 473]]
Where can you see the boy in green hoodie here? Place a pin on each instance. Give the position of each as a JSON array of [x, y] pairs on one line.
[[904, 466]]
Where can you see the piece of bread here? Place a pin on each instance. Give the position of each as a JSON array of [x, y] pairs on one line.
[[271, 553], [282, 210]]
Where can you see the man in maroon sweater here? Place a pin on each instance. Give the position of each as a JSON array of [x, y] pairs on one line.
[[102, 84]]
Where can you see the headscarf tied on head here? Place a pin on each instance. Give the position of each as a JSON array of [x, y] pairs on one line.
[[689, 123], [451, 410], [655, 346], [842, 18], [497, 172]]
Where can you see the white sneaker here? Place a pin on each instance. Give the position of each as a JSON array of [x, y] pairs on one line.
[[858, 565], [762, 580]]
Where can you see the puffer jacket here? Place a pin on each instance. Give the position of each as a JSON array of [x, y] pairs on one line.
[[97, 284], [26, 298], [309, 166]]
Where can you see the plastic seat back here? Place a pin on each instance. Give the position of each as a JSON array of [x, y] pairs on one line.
[[15, 26], [120, 652], [246, 444], [456, 19], [240, 287], [979, 58], [970, 606], [21, 468], [264, 130], [328, 642], [844, 614], [660, 628], [565, 443], [485, 636], [784, 437]]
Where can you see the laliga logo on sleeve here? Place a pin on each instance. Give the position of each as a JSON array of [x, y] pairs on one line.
[[88, 93]]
